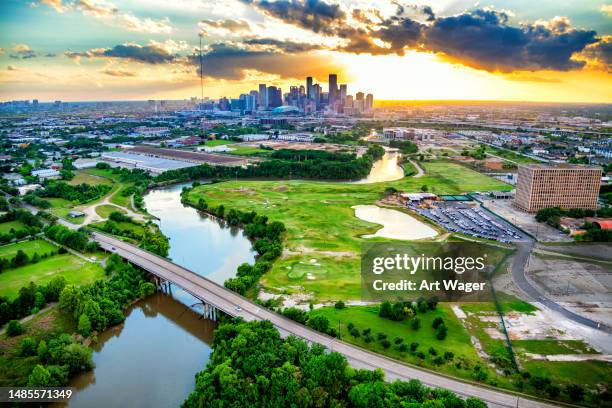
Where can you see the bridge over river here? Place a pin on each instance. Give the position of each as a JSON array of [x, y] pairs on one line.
[[223, 299]]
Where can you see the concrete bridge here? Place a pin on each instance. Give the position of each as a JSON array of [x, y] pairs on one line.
[[218, 297]]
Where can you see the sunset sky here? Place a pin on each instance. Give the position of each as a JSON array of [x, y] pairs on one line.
[[74, 50]]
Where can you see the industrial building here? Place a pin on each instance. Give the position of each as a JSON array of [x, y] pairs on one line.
[[569, 186]]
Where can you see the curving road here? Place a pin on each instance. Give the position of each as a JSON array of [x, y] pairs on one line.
[[236, 305]]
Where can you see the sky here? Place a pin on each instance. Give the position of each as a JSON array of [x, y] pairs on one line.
[[516, 50]]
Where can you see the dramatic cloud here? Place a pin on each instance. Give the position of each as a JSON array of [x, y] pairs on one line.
[[154, 53], [231, 63], [288, 47], [606, 9], [482, 38], [315, 15], [145, 25], [600, 54]]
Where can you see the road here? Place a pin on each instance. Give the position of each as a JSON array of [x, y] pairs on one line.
[[228, 301], [518, 275]]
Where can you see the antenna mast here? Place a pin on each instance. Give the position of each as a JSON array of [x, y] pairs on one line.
[[201, 74]]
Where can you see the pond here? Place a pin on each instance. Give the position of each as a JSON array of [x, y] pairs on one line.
[[395, 224]]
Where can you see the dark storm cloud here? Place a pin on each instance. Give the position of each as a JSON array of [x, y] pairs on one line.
[[231, 63], [315, 15], [148, 54], [601, 53], [483, 39], [289, 47]]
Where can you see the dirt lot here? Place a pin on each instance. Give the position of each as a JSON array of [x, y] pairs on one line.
[[582, 286]]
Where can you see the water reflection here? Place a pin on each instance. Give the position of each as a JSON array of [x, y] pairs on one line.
[[150, 360], [385, 169]]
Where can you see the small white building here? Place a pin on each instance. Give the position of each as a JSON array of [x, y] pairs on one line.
[[253, 137], [46, 174]]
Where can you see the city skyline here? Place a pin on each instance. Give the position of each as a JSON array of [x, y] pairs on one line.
[[450, 50]]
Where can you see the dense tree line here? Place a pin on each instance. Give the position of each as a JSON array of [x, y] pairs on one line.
[[322, 169], [100, 304], [81, 193], [404, 146], [138, 178], [30, 299], [252, 366], [76, 240], [266, 237], [552, 216]]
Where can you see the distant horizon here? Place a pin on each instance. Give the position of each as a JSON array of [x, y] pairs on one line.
[[447, 50]]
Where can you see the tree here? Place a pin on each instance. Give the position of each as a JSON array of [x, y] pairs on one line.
[[84, 326], [27, 347], [575, 392], [441, 332], [42, 351], [339, 305], [14, 328], [437, 322], [385, 309], [39, 377], [318, 323], [20, 259], [415, 323]]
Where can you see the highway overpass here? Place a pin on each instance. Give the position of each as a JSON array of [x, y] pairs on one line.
[[238, 306]]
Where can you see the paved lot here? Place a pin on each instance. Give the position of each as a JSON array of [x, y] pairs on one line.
[[470, 219], [524, 220]]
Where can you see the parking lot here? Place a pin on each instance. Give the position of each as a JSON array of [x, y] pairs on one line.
[[470, 219]]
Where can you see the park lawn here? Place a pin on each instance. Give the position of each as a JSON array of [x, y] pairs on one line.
[[61, 207], [247, 151], [548, 347], [83, 176], [105, 210], [39, 246], [510, 155], [218, 142], [363, 317], [321, 223], [6, 227], [508, 302], [76, 271]]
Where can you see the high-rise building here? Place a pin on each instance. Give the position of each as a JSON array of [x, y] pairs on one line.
[[359, 96], [309, 87], [342, 95], [333, 88], [263, 95], [569, 186], [316, 94], [369, 101], [275, 97]]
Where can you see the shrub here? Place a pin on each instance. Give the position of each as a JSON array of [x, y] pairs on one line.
[[354, 332], [441, 332], [339, 305], [415, 323], [381, 336], [14, 328], [398, 340], [414, 346], [27, 347], [449, 355], [437, 322], [385, 343], [433, 351]]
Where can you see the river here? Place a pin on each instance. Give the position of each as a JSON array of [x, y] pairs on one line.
[[150, 360]]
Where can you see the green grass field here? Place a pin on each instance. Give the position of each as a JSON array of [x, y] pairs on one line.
[[29, 247], [321, 224], [105, 210], [218, 142], [74, 269], [510, 155], [363, 317], [84, 176], [247, 150], [6, 227], [548, 347]]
